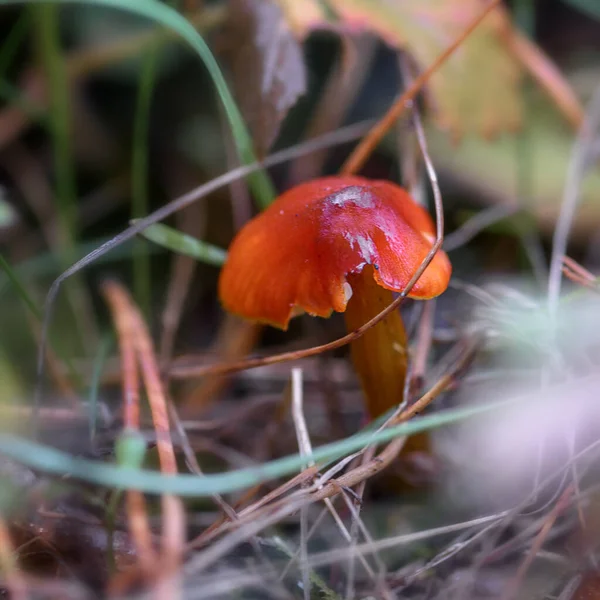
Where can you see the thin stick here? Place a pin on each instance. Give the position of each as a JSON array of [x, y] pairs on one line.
[[324, 488], [478, 223], [366, 146], [173, 535], [304, 447], [548, 76], [560, 506], [137, 511]]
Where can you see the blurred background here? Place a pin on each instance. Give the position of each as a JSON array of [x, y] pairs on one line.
[[108, 115]]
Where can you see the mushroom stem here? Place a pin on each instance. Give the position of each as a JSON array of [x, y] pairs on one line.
[[380, 354]]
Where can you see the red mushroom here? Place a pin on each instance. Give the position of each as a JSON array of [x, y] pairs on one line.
[[338, 244]]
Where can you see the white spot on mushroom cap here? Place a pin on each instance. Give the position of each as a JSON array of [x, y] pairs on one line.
[[353, 194], [365, 244]]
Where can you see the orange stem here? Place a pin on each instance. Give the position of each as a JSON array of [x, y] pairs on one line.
[[380, 355]]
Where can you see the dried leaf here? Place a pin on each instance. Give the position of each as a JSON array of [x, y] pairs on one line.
[[476, 90], [267, 65]]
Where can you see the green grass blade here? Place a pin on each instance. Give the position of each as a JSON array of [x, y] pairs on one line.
[[174, 240], [48, 264], [50, 460], [139, 179], [20, 288], [47, 31], [99, 362], [259, 182]]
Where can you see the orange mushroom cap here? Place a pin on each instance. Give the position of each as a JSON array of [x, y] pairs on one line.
[[299, 251]]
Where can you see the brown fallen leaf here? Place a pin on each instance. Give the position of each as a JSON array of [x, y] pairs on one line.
[[267, 66], [476, 90]]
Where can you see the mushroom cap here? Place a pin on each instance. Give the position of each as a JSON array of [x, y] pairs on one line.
[[298, 253]]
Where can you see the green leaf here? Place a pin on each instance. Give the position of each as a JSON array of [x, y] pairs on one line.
[[50, 460], [185, 244], [162, 14]]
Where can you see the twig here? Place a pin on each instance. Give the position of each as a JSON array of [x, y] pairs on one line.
[[550, 79], [579, 274], [331, 556], [304, 447], [560, 506], [423, 346], [366, 146], [344, 80], [323, 487], [173, 535], [478, 223], [192, 221], [137, 512]]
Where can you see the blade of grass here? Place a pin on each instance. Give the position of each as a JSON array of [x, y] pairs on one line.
[[46, 19], [139, 178], [48, 459], [47, 31], [20, 288], [99, 362], [174, 240], [154, 10], [36, 312], [48, 264]]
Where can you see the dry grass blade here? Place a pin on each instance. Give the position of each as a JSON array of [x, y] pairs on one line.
[[579, 274], [262, 514], [548, 76], [137, 512], [305, 447], [561, 505], [55, 368], [173, 535]]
